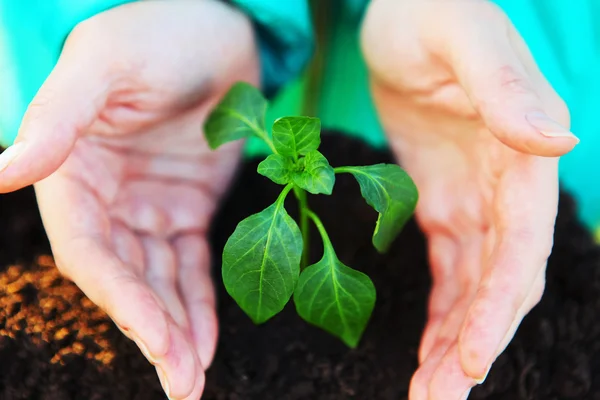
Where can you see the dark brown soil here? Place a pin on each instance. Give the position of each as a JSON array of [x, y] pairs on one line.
[[55, 344]]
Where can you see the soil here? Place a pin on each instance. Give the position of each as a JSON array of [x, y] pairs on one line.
[[55, 344]]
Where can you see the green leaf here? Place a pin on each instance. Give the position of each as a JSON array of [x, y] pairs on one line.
[[261, 261], [392, 193], [335, 297], [277, 168], [240, 114], [318, 176], [296, 135]]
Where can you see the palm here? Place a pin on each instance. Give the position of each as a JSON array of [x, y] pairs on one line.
[[137, 206], [480, 205]]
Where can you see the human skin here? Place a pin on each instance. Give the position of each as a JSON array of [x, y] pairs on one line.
[[480, 130], [125, 181]]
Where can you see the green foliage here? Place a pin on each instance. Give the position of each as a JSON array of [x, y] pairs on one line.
[[294, 136], [239, 115], [277, 168], [261, 261], [392, 193], [335, 297], [262, 258], [316, 176]]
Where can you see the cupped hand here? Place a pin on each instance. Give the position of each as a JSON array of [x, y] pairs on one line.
[[480, 130], [125, 181]]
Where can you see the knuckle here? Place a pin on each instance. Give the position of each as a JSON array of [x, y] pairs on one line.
[[509, 79], [90, 40], [83, 30], [493, 13], [396, 60], [164, 274], [433, 214], [559, 110]]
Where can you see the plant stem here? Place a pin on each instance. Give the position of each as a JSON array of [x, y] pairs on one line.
[[304, 210], [269, 142], [284, 192], [261, 133], [265, 137], [341, 170], [326, 242]]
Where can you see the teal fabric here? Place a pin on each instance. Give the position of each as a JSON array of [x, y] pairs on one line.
[[32, 33], [285, 38]]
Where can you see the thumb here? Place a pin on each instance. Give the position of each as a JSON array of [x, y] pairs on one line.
[[65, 105], [517, 104]]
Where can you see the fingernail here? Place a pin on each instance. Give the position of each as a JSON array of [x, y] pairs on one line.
[[548, 127], [9, 155], [143, 348], [465, 395], [482, 379], [124, 331], [163, 381]]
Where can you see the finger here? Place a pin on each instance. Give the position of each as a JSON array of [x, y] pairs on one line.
[[442, 259], [127, 247], [532, 300], [180, 370], [136, 310], [430, 335], [194, 395], [515, 101], [79, 233], [465, 275], [445, 339], [65, 105], [449, 381], [161, 274], [197, 290], [419, 383], [525, 211]]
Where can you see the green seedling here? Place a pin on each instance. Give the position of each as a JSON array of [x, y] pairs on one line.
[[265, 259]]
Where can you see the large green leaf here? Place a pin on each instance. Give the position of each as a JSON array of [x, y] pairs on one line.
[[277, 168], [392, 193], [240, 114], [335, 297], [261, 261], [293, 136], [318, 176]]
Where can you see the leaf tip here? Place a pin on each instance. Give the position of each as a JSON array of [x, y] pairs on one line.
[[382, 246], [258, 320], [352, 341]]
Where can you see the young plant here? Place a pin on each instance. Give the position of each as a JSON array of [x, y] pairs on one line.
[[264, 260]]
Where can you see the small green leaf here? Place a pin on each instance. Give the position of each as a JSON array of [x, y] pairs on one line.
[[335, 297], [392, 193], [261, 261], [240, 114], [296, 135], [318, 176], [277, 168]]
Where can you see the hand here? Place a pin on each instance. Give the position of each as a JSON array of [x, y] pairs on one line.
[[480, 130], [132, 184]]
